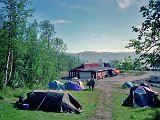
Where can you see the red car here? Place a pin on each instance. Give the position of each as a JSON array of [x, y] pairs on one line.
[[116, 71]]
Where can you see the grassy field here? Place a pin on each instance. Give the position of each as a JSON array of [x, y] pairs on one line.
[[127, 113], [87, 99]]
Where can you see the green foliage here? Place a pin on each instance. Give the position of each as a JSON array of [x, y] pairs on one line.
[[15, 17], [147, 44], [115, 63], [128, 64], [30, 52], [72, 62]]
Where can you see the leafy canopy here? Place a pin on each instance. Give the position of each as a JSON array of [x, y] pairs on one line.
[[148, 41]]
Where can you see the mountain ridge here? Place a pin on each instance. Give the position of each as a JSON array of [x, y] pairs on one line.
[[92, 56]]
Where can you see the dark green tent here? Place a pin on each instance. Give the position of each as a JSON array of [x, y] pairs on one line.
[[53, 101]]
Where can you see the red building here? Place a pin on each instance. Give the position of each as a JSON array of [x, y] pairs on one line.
[[85, 71], [91, 65]]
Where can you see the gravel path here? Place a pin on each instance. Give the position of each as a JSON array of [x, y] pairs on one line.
[[105, 98]]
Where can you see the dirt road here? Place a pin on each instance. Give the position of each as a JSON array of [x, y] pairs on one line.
[[105, 98]]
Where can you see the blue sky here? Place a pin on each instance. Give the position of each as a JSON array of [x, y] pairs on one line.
[[92, 25]]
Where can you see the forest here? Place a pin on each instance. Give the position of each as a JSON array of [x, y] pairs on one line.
[[30, 51]]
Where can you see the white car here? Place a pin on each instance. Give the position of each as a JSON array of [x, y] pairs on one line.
[[74, 78], [154, 78]]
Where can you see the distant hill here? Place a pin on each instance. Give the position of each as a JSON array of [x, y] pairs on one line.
[[91, 56]]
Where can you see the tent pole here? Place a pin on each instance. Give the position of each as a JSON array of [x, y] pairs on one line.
[[42, 101]]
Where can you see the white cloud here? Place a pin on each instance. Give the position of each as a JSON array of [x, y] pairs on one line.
[[124, 3], [40, 17], [60, 21]]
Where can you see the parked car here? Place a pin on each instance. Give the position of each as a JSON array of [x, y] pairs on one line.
[[154, 79], [116, 71], [74, 78]]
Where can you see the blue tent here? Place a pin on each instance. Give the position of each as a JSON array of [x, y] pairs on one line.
[[72, 86], [142, 96], [55, 85], [127, 84]]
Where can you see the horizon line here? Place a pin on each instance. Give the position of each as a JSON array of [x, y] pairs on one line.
[[103, 51]]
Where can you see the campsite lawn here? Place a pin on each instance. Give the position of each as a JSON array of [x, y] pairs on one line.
[[127, 113], [87, 99]]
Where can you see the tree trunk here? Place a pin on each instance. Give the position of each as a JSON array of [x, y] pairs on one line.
[[11, 66], [8, 59]]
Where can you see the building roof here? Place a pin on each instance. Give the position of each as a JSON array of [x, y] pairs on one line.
[[96, 69]]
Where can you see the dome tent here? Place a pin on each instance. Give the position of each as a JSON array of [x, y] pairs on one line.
[[141, 96], [55, 85], [127, 84], [81, 84], [72, 86]]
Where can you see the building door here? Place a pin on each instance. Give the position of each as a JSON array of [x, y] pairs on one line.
[[85, 75]]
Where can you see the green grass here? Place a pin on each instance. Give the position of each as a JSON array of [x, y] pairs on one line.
[[127, 113], [87, 99]]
